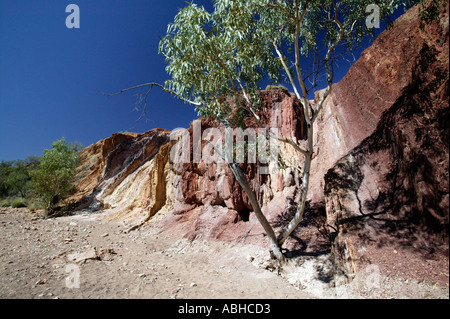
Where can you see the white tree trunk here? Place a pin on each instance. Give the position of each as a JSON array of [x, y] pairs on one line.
[[304, 191], [242, 180]]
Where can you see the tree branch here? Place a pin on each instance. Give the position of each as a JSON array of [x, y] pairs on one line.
[[286, 69], [151, 85], [282, 9], [160, 86], [299, 20], [328, 68]]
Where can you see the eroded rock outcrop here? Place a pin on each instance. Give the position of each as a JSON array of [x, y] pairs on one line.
[[391, 191], [123, 172], [136, 176], [209, 201], [372, 86], [379, 175]]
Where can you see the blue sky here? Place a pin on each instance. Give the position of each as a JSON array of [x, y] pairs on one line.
[[51, 76]]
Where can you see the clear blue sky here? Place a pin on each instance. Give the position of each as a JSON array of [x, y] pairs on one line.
[[50, 76]]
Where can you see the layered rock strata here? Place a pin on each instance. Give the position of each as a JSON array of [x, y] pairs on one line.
[[123, 172], [379, 174], [136, 176], [391, 190]]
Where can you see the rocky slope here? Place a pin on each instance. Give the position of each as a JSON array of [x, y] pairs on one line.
[[373, 85], [379, 176]]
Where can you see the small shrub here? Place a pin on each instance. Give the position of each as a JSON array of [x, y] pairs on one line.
[[277, 87], [19, 202], [5, 203], [53, 178], [35, 204]]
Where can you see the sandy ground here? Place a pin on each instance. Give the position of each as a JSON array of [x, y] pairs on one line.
[[86, 256]]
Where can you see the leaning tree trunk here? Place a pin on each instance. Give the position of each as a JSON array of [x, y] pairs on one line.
[[304, 191], [242, 180]]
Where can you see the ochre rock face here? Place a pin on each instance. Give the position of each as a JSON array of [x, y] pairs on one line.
[[391, 189], [92, 161], [117, 172], [379, 171], [135, 177], [371, 87], [211, 203]]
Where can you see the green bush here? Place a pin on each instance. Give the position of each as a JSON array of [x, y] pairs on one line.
[[52, 179], [15, 179], [5, 203], [19, 202], [277, 87]]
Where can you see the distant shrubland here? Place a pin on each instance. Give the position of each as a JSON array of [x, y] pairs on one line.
[[39, 182]]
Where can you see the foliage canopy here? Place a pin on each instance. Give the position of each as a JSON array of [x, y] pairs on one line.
[[15, 179], [241, 43]]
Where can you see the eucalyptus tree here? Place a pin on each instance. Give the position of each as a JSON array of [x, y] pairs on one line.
[[218, 60]]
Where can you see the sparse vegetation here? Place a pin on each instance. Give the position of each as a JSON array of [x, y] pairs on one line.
[[15, 182], [37, 182], [19, 202], [53, 178], [277, 87], [5, 203]]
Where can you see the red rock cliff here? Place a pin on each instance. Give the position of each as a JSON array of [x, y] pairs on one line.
[[380, 165], [135, 177], [387, 199]]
